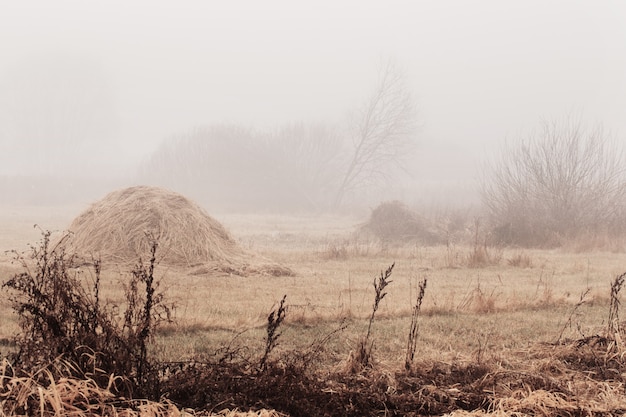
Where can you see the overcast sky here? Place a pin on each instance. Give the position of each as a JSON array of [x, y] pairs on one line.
[[481, 71]]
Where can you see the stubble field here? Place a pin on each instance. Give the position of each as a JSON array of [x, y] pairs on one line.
[[525, 328]]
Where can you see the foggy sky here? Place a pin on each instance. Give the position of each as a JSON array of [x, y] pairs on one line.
[[481, 71]]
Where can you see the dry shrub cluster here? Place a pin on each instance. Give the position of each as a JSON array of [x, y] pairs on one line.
[[479, 300], [564, 184], [62, 316], [356, 246], [520, 260], [482, 254], [396, 224], [335, 251]]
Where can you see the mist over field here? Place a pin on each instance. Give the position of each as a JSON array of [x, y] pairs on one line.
[[258, 105], [215, 186]]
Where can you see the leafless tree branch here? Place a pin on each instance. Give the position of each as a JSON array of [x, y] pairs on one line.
[[383, 132]]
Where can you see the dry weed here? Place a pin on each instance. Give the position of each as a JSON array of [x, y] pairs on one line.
[[520, 260], [479, 300], [335, 251]]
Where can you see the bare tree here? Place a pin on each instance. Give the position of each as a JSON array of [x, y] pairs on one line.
[[565, 182], [382, 134], [299, 166]]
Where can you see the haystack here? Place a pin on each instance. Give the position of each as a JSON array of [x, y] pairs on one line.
[[392, 221], [121, 227]]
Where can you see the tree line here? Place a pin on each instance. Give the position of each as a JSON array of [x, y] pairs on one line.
[[564, 181], [299, 166]]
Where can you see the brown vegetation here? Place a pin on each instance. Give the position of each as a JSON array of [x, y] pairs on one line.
[[62, 317], [565, 183], [470, 357]]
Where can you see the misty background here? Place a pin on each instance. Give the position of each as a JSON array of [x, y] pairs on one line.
[[246, 103]]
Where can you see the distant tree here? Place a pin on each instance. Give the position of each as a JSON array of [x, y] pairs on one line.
[[564, 182], [210, 163], [291, 167], [382, 134], [307, 162]]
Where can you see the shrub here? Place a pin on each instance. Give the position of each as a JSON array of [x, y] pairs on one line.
[[551, 188], [60, 317]]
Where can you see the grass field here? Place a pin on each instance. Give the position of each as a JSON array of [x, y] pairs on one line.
[[508, 312]]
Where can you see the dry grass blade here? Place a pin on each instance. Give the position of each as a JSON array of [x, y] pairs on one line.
[[413, 331], [613, 327], [582, 300], [73, 397], [6, 372], [260, 413], [363, 356], [537, 403]]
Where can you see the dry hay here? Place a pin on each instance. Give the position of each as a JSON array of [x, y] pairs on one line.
[[543, 380], [48, 395], [393, 221], [120, 228]]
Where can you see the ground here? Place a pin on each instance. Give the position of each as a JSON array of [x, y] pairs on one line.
[[515, 326]]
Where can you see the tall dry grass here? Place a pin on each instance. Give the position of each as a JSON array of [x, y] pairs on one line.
[[55, 394]]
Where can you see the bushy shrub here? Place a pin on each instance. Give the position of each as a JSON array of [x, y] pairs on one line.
[[566, 182]]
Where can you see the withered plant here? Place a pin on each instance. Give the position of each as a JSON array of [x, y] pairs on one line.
[[481, 255], [364, 353], [581, 301], [414, 329], [62, 318], [520, 260], [274, 320], [613, 326]]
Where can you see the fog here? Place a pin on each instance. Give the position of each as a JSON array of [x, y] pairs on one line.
[[93, 89]]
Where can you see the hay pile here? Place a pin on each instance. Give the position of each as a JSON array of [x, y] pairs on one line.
[[120, 228], [393, 221]]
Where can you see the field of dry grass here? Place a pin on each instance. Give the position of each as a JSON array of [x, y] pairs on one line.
[[507, 312]]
